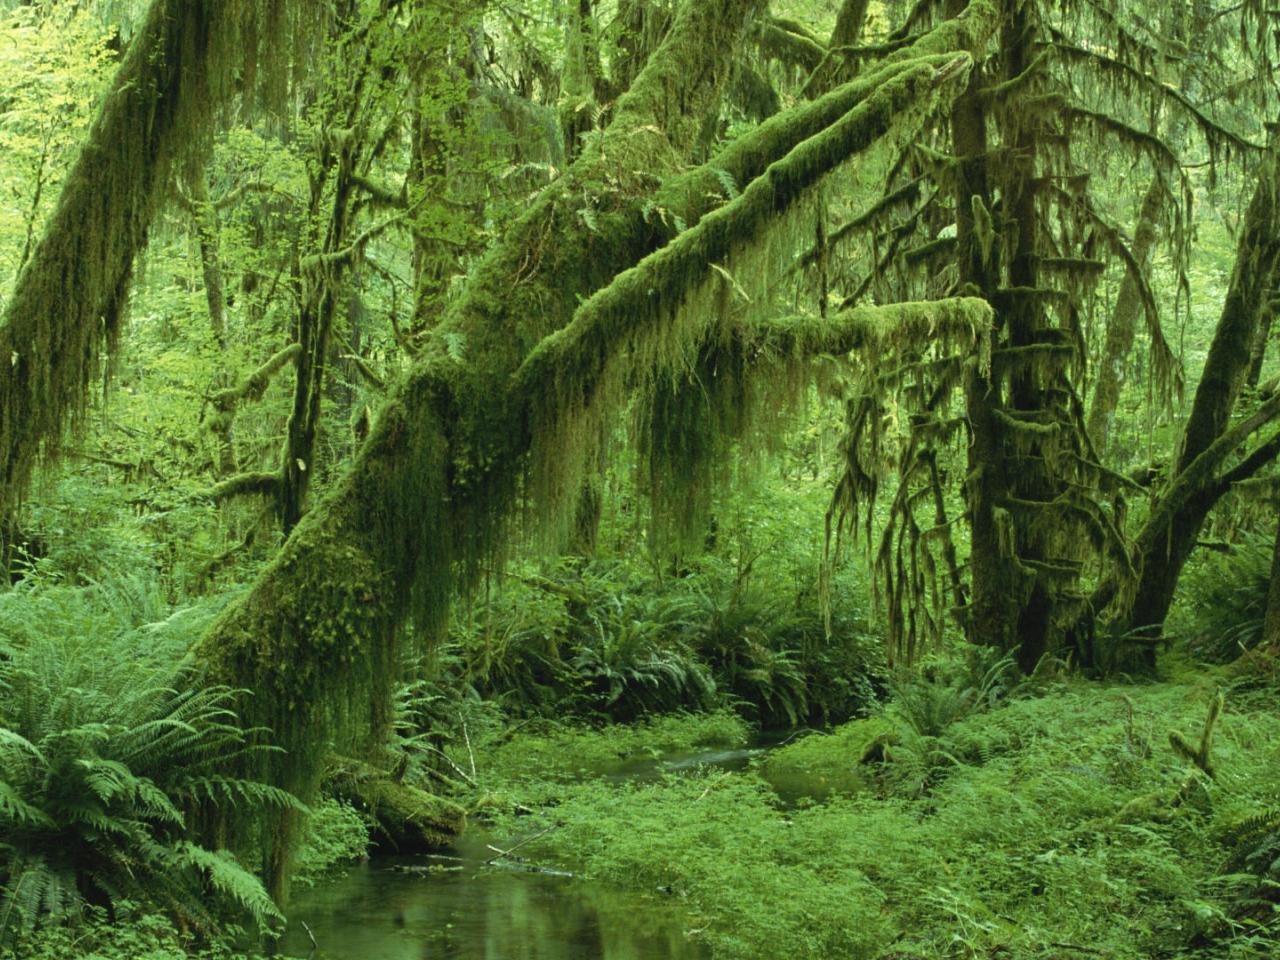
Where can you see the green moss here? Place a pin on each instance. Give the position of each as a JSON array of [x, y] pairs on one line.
[[841, 762], [69, 301], [572, 752]]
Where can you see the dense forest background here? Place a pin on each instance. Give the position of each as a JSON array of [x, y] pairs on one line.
[[412, 412]]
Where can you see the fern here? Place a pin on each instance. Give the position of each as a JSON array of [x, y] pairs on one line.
[[231, 880], [103, 759], [727, 182]]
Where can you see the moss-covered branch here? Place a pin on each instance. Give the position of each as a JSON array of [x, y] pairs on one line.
[[875, 329], [246, 484], [749, 156], [253, 386], [184, 62]]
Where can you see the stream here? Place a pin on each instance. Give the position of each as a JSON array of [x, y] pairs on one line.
[[459, 906]]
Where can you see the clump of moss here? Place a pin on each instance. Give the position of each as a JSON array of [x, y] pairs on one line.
[[570, 752], [842, 762]]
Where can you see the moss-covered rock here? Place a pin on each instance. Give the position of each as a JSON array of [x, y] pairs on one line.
[[821, 765]]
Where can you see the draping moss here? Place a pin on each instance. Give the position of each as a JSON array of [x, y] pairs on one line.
[[186, 60]]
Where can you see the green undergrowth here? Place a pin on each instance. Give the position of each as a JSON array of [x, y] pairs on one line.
[[1044, 824], [610, 641], [336, 835], [134, 935]]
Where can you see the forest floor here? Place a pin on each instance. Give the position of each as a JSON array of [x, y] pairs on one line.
[[1057, 823], [1052, 820]]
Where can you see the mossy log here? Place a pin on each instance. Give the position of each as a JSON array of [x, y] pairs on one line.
[[407, 819]]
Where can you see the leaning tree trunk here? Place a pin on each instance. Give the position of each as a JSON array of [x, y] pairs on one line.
[[1170, 545], [428, 495]]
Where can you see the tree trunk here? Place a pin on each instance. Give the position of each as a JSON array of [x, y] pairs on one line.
[[1260, 343], [1270, 641], [1123, 324], [204, 220], [1225, 368]]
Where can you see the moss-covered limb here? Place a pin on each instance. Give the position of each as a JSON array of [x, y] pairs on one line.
[[68, 301], [1129, 78], [790, 47], [750, 155], [252, 387], [382, 194], [1197, 478], [878, 330], [365, 369], [1128, 135], [246, 484], [637, 307], [407, 818], [1244, 471]]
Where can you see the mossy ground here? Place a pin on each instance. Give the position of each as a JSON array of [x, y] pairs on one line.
[[1046, 827], [567, 753]]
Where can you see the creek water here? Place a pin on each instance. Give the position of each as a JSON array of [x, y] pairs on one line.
[[399, 909], [461, 907]]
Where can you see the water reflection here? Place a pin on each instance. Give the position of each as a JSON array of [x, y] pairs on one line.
[[378, 912], [470, 911]]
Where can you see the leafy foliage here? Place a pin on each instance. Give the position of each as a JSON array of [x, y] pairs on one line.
[[108, 760], [1225, 599]]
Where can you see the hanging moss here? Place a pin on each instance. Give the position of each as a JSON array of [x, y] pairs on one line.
[[656, 315], [434, 490], [186, 60]]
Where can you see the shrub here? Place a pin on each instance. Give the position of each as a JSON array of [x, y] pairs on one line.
[[1225, 597]]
